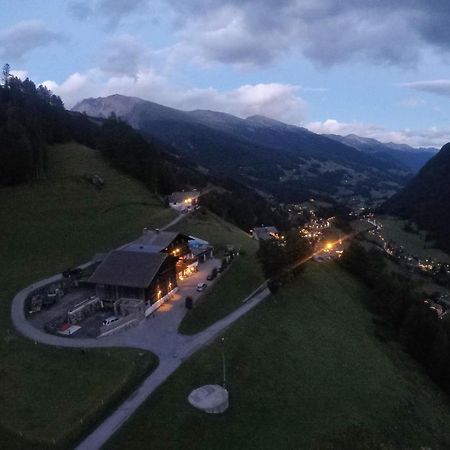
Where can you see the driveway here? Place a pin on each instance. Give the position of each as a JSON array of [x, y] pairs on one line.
[[185, 347], [158, 333]]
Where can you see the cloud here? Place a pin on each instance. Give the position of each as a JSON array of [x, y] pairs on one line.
[[75, 85], [434, 136], [111, 11], [122, 56], [412, 103], [276, 100], [80, 9], [249, 33], [439, 87], [24, 37]]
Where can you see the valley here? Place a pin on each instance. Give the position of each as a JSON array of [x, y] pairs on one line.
[[287, 162], [242, 252]]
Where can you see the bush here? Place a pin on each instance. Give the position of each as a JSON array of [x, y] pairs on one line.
[[189, 302]]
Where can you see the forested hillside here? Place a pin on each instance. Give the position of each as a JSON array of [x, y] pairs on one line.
[[426, 198], [32, 118]]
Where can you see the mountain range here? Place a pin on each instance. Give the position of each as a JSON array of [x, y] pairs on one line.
[[412, 158], [285, 161]]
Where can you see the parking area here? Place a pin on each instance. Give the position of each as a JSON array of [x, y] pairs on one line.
[[60, 308], [162, 321]]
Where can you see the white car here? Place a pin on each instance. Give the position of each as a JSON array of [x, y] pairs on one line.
[[201, 287]]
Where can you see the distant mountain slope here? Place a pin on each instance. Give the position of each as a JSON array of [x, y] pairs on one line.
[[426, 199], [413, 158], [286, 161]]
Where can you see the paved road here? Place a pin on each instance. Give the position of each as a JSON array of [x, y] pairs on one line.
[[27, 329], [188, 345], [175, 221], [159, 334]]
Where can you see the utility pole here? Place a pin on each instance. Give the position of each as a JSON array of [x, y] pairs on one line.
[[222, 340]]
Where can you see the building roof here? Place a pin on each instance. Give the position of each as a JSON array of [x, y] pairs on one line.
[[127, 268], [265, 233], [153, 241], [180, 197]]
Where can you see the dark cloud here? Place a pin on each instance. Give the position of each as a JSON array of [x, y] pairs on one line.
[[111, 11], [115, 10], [439, 87], [80, 9], [122, 56], [25, 36], [327, 31]]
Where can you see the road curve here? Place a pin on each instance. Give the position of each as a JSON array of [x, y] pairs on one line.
[[168, 362], [28, 330]]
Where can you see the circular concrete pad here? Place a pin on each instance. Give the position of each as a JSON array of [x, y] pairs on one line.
[[211, 398]]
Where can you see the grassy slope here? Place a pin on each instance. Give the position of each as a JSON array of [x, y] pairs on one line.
[[305, 370], [413, 243], [46, 227], [238, 281]]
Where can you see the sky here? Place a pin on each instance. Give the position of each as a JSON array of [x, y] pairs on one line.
[[376, 68]]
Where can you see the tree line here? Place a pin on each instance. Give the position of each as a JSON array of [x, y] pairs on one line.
[[397, 300], [282, 259], [32, 117]]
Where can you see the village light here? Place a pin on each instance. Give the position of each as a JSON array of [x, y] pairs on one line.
[[329, 246]]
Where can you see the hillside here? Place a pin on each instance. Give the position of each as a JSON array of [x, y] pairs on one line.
[[48, 226], [238, 281], [288, 162], [426, 199], [305, 369], [413, 158]]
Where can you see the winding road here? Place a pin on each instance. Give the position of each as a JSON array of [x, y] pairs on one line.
[[158, 334]]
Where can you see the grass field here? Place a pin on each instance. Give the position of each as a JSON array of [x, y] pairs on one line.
[[305, 370], [47, 227], [237, 282], [414, 243]]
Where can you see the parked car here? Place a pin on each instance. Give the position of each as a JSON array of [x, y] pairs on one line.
[[212, 275], [110, 320], [201, 287]]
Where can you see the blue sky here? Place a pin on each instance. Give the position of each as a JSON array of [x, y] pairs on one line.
[[379, 69]]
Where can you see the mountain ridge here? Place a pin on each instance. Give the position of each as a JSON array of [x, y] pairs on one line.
[[288, 161]]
